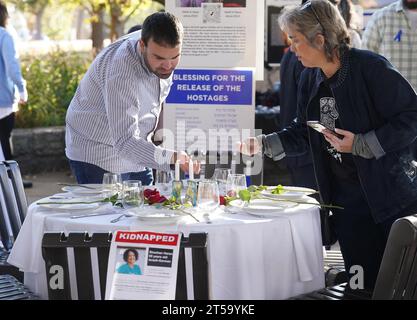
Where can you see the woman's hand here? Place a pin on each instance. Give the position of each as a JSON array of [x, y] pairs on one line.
[[250, 146], [343, 145]]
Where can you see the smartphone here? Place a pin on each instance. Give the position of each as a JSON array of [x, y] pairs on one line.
[[316, 125]]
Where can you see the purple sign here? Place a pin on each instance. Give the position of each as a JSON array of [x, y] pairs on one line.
[[220, 87]]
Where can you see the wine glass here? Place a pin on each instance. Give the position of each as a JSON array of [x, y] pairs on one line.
[[235, 183], [112, 183], [132, 195], [163, 182], [220, 175], [208, 196]]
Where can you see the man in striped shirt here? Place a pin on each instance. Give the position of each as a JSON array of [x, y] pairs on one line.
[[392, 32], [116, 107]]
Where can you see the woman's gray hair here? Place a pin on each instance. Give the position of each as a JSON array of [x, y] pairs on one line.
[[318, 17]]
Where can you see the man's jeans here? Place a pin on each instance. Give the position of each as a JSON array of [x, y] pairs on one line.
[[89, 173]]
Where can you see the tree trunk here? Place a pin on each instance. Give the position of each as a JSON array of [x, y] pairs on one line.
[[38, 27], [97, 30], [116, 27], [79, 23]]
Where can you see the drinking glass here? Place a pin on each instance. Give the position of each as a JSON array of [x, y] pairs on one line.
[[220, 175], [132, 195], [163, 182], [112, 183], [235, 183], [208, 196]]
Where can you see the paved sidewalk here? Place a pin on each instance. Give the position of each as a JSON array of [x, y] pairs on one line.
[[45, 184]]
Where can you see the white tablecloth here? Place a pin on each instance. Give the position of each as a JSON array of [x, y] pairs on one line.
[[249, 257]]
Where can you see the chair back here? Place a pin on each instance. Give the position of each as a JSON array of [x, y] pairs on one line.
[[6, 240], [18, 188], [54, 252], [397, 277], [10, 217], [224, 160]]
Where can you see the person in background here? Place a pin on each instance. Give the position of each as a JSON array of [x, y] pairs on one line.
[[12, 86], [392, 32], [115, 110], [368, 168], [134, 28], [346, 9]]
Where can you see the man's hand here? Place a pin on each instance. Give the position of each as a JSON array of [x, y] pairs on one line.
[[250, 146], [343, 145]]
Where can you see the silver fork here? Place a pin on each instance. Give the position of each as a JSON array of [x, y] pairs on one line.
[[120, 217]]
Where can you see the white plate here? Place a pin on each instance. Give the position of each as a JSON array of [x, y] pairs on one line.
[[289, 192], [98, 188], [157, 215], [65, 204], [264, 207]]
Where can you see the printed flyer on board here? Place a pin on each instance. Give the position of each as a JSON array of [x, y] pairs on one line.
[[143, 266]]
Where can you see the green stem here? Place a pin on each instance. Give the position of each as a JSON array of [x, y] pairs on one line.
[[302, 202], [190, 214]]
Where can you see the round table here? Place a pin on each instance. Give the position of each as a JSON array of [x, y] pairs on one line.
[[250, 257]]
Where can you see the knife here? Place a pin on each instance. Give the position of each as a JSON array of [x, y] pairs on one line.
[[77, 185], [93, 215]]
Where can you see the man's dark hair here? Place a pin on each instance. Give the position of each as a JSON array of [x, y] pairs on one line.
[[126, 254], [163, 28], [4, 15]]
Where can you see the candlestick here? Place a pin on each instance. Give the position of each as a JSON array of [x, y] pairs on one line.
[[191, 193], [191, 169], [248, 167], [177, 170], [176, 191]]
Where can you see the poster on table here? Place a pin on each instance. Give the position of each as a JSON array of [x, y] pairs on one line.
[[212, 100], [143, 266]]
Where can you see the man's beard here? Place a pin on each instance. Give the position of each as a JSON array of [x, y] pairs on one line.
[[155, 71], [410, 5]]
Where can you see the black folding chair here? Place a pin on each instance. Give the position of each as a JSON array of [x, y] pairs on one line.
[[224, 160], [397, 277], [12, 212], [10, 222], [18, 188], [54, 252], [12, 289]]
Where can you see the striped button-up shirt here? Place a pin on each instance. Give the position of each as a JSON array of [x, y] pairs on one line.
[[115, 111], [389, 33]]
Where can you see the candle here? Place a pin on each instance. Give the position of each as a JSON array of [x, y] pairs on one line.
[[248, 173], [191, 169], [233, 166], [177, 170]]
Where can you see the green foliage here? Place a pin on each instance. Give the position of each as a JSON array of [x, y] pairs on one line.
[[51, 82]]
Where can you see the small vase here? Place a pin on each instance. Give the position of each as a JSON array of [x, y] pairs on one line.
[[191, 193], [176, 191]]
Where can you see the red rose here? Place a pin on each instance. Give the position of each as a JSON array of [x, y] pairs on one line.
[[149, 192], [222, 201]]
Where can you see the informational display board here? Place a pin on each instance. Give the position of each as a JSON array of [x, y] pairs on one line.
[[213, 94]]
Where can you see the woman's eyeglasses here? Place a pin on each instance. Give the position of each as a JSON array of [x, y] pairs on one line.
[[307, 5]]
